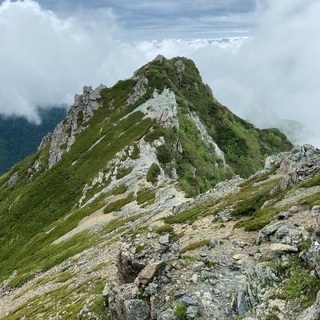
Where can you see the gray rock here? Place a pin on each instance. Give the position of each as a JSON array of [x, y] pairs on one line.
[[242, 305], [197, 266], [283, 231], [106, 293], [136, 310], [313, 257], [65, 132], [128, 266], [216, 291], [280, 248], [268, 230], [206, 275], [194, 278], [152, 288], [165, 239], [189, 301], [159, 58], [166, 315], [213, 243], [179, 293], [192, 312]]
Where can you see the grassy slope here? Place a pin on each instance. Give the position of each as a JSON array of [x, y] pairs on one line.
[[29, 210]]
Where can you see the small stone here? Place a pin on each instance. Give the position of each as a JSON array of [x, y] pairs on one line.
[[194, 278], [216, 291], [197, 266], [189, 301], [106, 291], [136, 309], [213, 243], [152, 288], [213, 282], [237, 256], [192, 312], [179, 293], [206, 275], [293, 209], [165, 239]]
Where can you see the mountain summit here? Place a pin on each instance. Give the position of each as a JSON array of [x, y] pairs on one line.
[[124, 157]]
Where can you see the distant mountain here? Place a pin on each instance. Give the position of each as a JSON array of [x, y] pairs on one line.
[[136, 207], [20, 138]]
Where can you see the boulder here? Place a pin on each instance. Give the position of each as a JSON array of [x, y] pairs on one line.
[[128, 266], [149, 272]]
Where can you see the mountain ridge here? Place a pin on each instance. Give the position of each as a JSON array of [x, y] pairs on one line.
[[153, 159]]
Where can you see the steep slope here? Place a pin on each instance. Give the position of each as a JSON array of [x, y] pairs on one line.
[[123, 156]]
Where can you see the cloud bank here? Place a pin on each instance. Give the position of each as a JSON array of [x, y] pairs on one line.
[[46, 59]]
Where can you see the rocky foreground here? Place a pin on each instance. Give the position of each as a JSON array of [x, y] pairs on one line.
[[212, 270], [207, 269]]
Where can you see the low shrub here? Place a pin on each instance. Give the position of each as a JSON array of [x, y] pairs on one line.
[[153, 173], [119, 204]]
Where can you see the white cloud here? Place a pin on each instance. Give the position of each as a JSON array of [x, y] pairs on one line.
[[45, 59]]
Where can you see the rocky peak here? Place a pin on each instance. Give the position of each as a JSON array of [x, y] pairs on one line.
[[64, 135]]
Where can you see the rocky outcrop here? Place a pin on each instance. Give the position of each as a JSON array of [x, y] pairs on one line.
[[144, 270], [207, 138], [296, 165], [138, 90], [64, 135]]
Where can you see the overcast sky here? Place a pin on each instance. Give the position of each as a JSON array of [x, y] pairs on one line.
[[267, 68]]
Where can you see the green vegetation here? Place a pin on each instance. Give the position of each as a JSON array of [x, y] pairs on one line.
[[250, 200], [300, 284], [312, 200], [191, 215], [180, 311], [314, 181], [146, 197], [122, 188], [68, 299], [123, 172], [164, 154], [195, 245], [118, 204], [166, 228], [152, 174], [199, 169], [135, 153]]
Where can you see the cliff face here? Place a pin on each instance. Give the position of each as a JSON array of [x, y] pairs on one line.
[[143, 160]]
